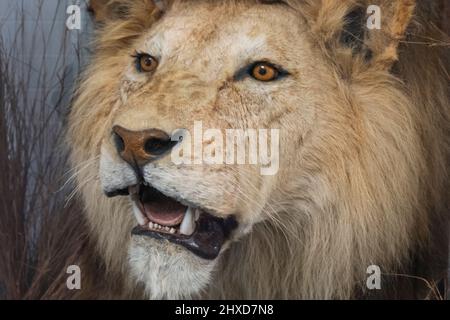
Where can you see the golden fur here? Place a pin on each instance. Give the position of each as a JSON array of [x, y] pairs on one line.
[[365, 142]]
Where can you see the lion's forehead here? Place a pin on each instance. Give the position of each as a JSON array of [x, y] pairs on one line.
[[245, 35]]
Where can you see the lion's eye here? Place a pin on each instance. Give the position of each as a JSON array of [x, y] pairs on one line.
[[264, 71], [145, 62]]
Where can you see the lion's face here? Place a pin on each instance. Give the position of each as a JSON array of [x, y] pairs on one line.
[[203, 70]]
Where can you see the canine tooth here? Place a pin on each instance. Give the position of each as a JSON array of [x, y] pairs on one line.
[[172, 230], [150, 225], [138, 214], [197, 214], [187, 226]]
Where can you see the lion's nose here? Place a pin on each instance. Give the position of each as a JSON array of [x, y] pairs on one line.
[[140, 147]]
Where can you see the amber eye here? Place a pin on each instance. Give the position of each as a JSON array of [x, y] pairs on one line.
[[145, 62], [264, 71]]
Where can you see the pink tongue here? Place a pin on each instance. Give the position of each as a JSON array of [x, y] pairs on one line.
[[165, 212]]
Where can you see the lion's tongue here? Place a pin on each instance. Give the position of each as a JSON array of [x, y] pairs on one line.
[[165, 212]]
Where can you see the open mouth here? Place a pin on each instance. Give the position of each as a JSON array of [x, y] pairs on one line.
[[164, 218]]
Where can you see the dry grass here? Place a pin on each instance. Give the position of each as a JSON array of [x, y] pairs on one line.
[[39, 231]]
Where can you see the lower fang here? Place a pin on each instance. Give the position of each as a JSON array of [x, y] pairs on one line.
[[138, 215]]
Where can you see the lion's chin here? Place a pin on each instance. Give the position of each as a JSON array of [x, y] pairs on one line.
[[168, 271]]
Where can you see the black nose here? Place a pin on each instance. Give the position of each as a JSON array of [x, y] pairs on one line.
[[141, 147]]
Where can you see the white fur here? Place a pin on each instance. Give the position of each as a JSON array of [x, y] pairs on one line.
[[167, 271]]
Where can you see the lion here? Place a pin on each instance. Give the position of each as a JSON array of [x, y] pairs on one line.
[[363, 117]]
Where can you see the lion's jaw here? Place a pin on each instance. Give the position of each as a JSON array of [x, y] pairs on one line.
[[166, 268]]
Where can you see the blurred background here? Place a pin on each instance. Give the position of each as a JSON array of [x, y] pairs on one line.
[[43, 47]]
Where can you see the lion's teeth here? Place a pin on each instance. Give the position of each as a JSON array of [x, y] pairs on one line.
[[188, 224], [150, 225], [197, 214], [138, 214], [172, 230]]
